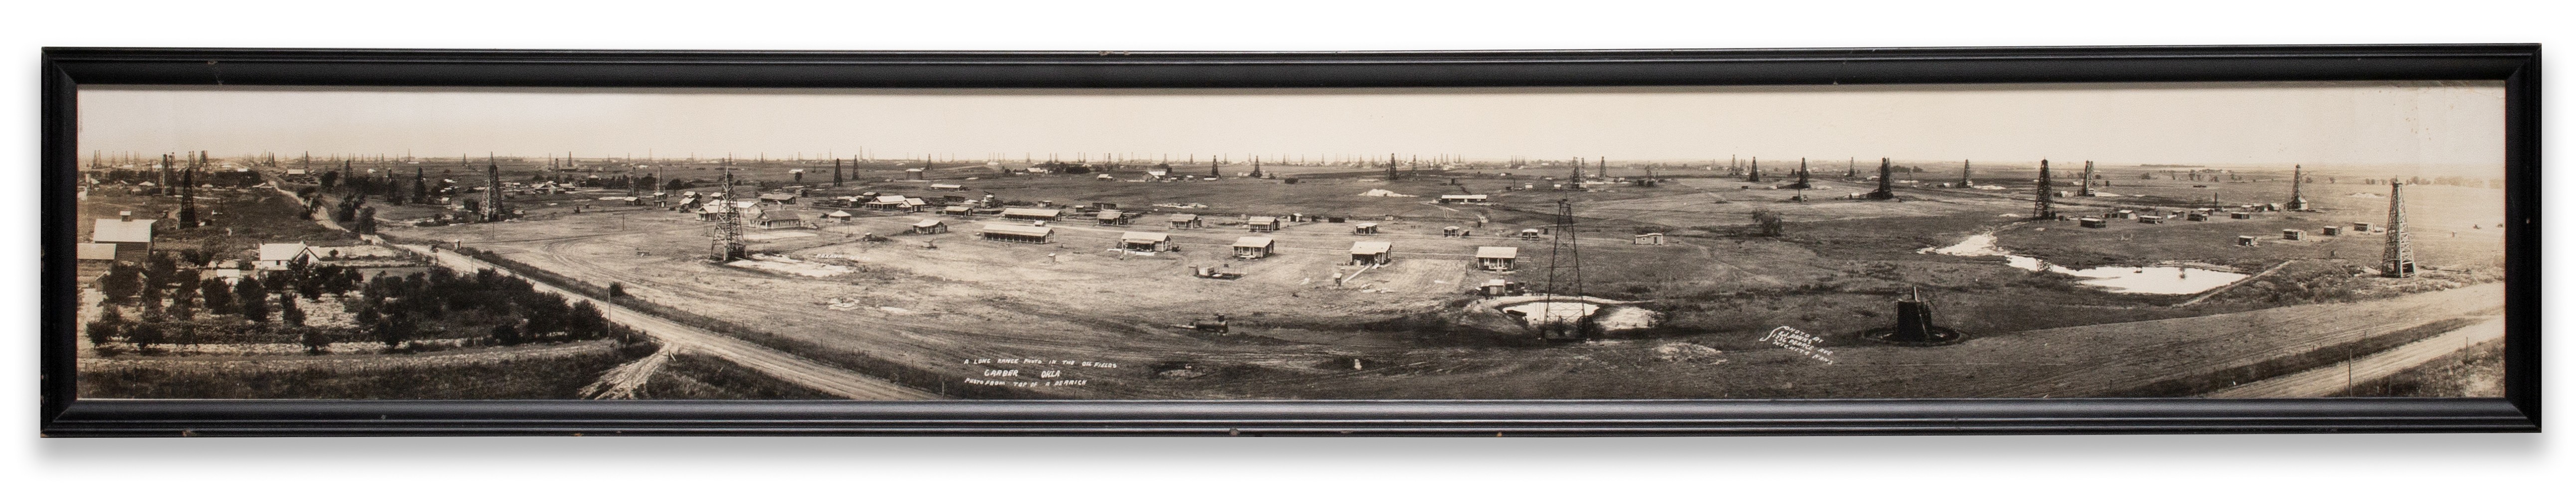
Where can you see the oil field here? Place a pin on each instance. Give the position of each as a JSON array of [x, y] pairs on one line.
[[2319, 270]]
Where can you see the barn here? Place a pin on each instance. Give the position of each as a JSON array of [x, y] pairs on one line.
[[1145, 242], [1496, 258], [132, 237], [1372, 252], [1018, 233], [1254, 247]]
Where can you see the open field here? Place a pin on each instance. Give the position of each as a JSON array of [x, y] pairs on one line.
[[528, 372], [953, 304]]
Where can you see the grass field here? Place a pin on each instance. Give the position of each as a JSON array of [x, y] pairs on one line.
[[530, 372]]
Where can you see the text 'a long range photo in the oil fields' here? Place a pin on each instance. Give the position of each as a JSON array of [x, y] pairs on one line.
[[2223, 240]]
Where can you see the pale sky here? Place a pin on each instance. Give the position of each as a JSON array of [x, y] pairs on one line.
[[2430, 124]]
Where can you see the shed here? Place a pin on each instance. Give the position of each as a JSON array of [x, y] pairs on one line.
[[778, 198], [1187, 221], [1462, 198], [1364, 228], [1497, 288], [2151, 219], [1650, 239], [2292, 234], [2093, 223], [2330, 231], [957, 210], [1254, 247], [2361, 227], [1372, 252], [1031, 213], [1261, 224], [914, 173], [1111, 217], [2244, 240], [1145, 242], [929, 226], [1450, 231], [2240, 215], [94, 252], [1496, 258], [2196, 217], [838, 216], [276, 256], [1529, 234], [1018, 233]]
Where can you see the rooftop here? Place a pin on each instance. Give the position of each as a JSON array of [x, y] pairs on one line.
[[1371, 247], [1497, 252]]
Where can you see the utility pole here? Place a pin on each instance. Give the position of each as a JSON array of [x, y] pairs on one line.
[[1564, 279]]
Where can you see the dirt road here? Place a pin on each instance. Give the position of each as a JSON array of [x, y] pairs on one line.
[[2326, 381], [790, 368]]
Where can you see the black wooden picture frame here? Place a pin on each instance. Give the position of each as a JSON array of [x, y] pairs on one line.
[[65, 69]]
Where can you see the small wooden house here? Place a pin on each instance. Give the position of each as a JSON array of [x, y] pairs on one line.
[[132, 237], [929, 226], [2330, 231], [1496, 258], [1254, 247], [2244, 240], [1111, 217], [837, 216], [1648, 239], [1529, 234], [1364, 228], [1187, 221], [2292, 234], [1261, 224], [1145, 242], [1372, 252]]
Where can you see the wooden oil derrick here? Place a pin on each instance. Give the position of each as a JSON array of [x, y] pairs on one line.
[[492, 192], [2298, 201], [2087, 189], [1753, 173], [727, 244], [1802, 176], [1886, 178], [2045, 209], [2398, 259], [1564, 280], [188, 192], [1964, 169]]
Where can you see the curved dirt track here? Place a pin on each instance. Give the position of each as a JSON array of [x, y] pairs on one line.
[[781, 365]]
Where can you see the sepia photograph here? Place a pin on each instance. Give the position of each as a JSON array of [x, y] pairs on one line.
[[2027, 240]]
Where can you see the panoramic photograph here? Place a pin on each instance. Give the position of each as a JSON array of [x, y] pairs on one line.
[[2192, 240]]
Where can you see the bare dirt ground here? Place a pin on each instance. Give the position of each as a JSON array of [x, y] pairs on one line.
[[1103, 321]]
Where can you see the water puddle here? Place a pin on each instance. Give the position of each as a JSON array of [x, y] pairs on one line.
[[2122, 279]]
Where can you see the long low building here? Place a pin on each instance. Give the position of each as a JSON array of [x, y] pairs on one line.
[[1031, 213], [1017, 233]]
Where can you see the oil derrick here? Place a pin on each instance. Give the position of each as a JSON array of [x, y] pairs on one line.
[[1914, 325], [1256, 166], [419, 186], [728, 234], [2087, 189], [2299, 202], [1754, 172], [1964, 182], [492, 192], [188, 192], [1213, 171], [163, 186], [1851, 168], [1577, 182], [1604, 163], [1564, 279], [1390, 167], [2398, 260], [836, 173], [2044, 210], [1886, 178], [1802, 176]]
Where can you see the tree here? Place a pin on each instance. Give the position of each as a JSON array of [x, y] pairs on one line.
[[253, 299], [288, 312], [219, 297], [316, 342], [107, 326], [159, 270], [121, 282], [145, 335], [183, 303], [1769, 222], [393, 329]]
